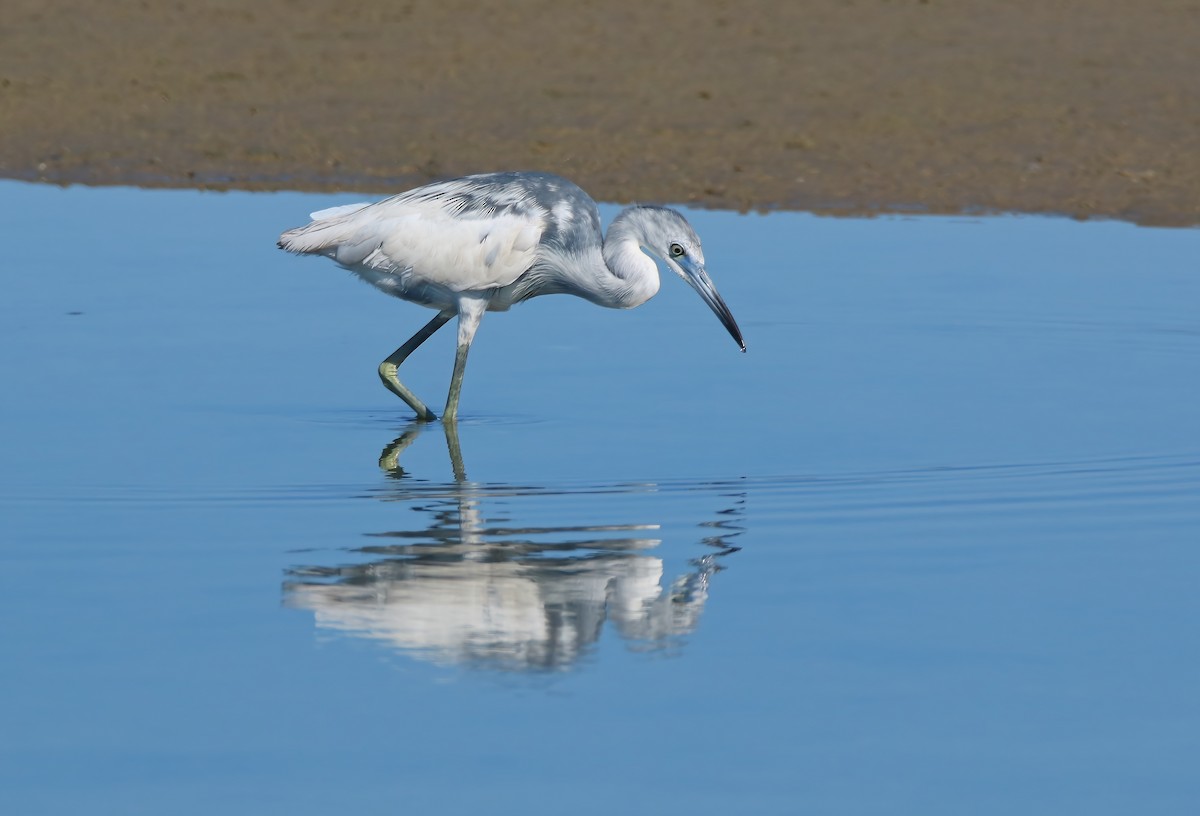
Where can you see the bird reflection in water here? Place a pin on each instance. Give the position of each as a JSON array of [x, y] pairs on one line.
[[467, 590]]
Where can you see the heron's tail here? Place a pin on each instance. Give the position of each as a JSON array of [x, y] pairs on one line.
[[326, 230]]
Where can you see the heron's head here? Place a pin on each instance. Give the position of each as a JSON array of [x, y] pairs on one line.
[[666, 235]]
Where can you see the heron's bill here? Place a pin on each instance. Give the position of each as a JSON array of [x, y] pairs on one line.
[[699, 280]]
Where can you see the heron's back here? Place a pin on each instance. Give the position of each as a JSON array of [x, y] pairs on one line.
[[477, 234]]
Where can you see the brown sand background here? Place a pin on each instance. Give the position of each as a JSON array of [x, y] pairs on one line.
[[1081, 107]]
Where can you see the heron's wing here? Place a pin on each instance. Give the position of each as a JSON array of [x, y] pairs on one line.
[[462, 253], [431, 236]]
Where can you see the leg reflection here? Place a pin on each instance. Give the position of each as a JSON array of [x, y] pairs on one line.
[[389, 458], [456, 460]]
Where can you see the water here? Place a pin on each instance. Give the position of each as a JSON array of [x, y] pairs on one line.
[[930, 546]]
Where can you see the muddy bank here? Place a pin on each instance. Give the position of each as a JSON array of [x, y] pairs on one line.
[[1088, 108]]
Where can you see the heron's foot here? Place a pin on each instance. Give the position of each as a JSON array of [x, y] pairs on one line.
[[387, 373]]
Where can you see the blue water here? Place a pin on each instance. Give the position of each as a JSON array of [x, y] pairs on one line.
[[929, 547]]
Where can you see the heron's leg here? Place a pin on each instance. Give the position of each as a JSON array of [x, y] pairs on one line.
[[387, 369], [470, 312], [460, 366]]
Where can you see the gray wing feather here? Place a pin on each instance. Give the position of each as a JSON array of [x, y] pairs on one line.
[[469, 234]]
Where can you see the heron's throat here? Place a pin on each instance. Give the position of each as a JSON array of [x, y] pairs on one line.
[[634, 274]]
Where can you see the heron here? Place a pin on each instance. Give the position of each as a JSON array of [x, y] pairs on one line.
[[484, 242]]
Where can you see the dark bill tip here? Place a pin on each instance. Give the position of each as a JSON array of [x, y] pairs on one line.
[[726, 317], [699, 280]]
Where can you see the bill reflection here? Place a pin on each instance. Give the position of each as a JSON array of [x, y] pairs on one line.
[[471, 587]]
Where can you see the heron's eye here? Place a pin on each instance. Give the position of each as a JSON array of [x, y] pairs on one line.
[[676, 251]]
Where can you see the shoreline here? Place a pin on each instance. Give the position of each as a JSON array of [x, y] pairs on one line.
[[1084, 110]]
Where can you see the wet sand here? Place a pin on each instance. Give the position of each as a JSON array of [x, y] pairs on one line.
[[1083, 107]]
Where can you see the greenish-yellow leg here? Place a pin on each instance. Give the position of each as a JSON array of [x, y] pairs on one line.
[[460, 366], [387, 369], [470, 311]]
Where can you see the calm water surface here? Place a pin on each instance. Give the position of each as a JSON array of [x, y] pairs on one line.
[[929, 547]]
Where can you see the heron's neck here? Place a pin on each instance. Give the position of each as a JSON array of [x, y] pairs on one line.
[[635, 274]]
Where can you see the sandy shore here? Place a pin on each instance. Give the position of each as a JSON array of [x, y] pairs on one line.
[[1083, 107]]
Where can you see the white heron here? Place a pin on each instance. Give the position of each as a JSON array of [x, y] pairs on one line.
[[482, 243]]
